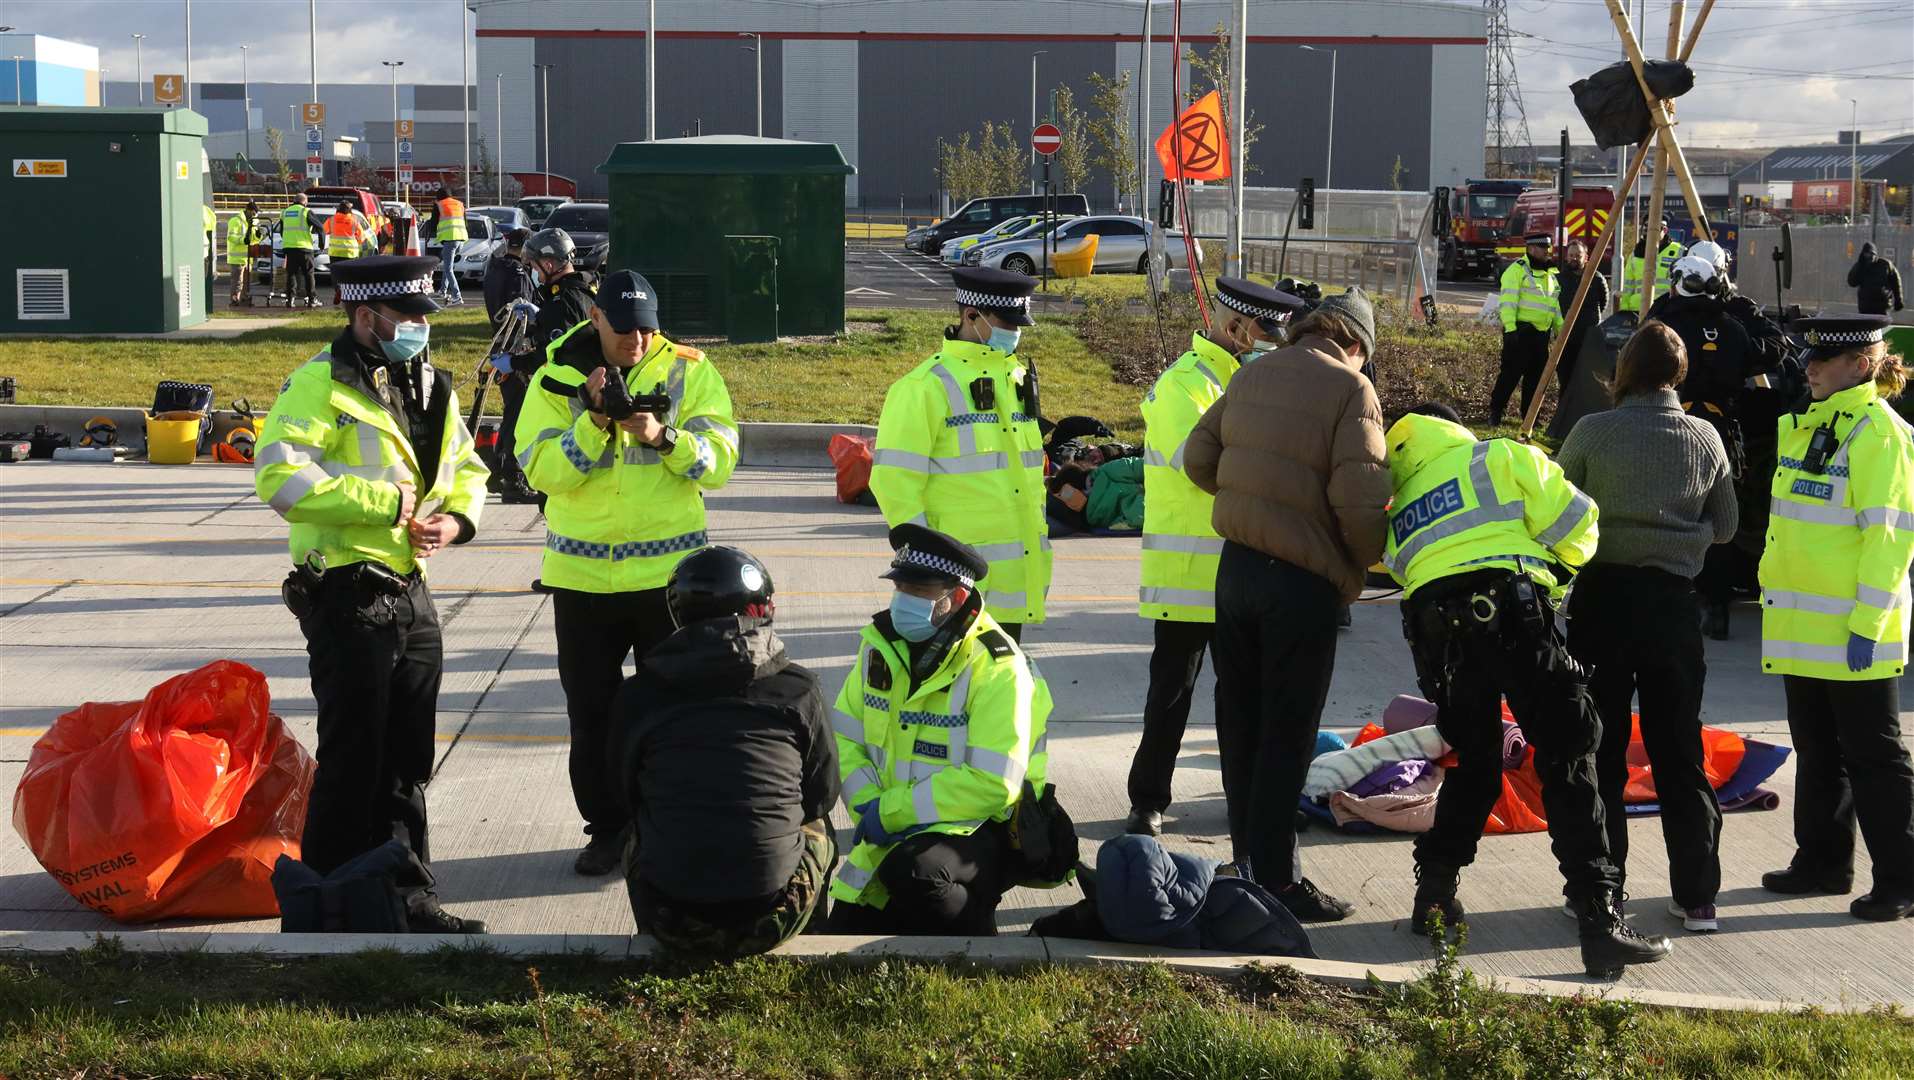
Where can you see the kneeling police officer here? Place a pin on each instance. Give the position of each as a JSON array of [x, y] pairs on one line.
[[1478, 536], [365, 453]]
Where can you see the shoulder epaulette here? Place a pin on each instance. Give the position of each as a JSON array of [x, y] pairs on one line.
[[686, 352], [998, 643]]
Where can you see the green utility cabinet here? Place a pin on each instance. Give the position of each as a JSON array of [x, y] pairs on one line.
[[740, 236], [105, 233]]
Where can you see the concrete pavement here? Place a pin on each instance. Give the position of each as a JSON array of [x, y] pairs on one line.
[[114, 577]]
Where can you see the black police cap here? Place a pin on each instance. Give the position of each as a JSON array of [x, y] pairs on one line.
[[1260, 302], [1828, 336], [628, 301], [926, 555], [400, 282], [1000, 292]]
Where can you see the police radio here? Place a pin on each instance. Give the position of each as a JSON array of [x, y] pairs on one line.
[[1821, 447]]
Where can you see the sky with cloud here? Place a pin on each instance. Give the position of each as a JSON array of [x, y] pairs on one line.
[[1768, 71]]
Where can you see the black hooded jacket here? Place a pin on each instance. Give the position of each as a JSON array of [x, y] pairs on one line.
[[1877, 282], [725, 752], [1721, 355]]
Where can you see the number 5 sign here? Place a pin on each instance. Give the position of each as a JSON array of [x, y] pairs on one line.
[[313, 114], [166, 89]]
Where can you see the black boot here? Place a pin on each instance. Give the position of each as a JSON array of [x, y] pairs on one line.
[[1143, 822], [603, 853], [1714, 620], [1608, 943], [1435, 897], [1798, 880]]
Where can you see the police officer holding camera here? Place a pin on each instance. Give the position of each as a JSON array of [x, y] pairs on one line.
[[624, 431], [365, 453]]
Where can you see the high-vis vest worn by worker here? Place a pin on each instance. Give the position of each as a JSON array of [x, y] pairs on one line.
[[1529, 298], [210, 221], [1461, 505], [294, 232], [451, 220], [344, 238], [239, 239], [1839, 541], [1631, 298], [944, 756], [619, 514], [1180, 547], [330, 460], [955, 452]]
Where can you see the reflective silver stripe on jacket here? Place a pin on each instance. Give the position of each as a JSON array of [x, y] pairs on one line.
[[1564, 525], [1884, 515], [958, 405], [1884, 652], [862, 778], [1880, 598], [853, 875], [1204, 369], [1160, 594], [712, 426], [525, 455], [1804, 601], [993, 598], [998, 764], [1812, 514], [848, 726], [1183, 545], [947, 466], [1488, 510], [923, 802], [1001, 552]]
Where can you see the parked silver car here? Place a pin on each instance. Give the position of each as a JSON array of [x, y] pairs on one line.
[[1122, 246]]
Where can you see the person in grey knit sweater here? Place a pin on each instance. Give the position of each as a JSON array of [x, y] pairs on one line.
[[1662, 481]]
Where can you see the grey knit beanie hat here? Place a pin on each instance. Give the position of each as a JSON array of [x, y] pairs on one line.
[[1355, 309]]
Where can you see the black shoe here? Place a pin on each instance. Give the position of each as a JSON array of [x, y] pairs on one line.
[[1345, 618], [1143, 822], [1609, 943], [433, 919], [516, 492], [1798, 881], [1878, 906], [1714, 620], [1435, 896], [603, 853], [1310, 904], [538, 585]]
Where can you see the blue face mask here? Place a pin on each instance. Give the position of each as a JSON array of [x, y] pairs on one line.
[[1005, 341], [911, 616], [408, 340]]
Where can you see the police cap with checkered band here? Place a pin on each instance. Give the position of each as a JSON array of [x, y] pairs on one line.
[[1260, 302], [628, 301], [400, 282], [926, 555], [1828, 336], [996, 292]]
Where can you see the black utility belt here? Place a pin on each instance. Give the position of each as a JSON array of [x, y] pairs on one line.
[[304, 587], [1504, 603]]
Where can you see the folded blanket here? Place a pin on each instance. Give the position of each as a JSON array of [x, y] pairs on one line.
[[1337, 771], [1412, 809], [1391, 778]]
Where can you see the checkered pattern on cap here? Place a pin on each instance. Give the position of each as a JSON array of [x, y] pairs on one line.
[[1822, 339], [971, 298], [924, 560], [1254, 311], [379, 290]]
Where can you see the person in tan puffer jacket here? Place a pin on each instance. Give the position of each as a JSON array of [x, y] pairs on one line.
[[1293, 452]]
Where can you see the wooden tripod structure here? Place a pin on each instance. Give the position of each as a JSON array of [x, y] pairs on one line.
[[1667, 153]]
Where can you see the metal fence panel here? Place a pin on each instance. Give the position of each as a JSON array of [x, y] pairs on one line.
[[1381, 241], [1823, 255]]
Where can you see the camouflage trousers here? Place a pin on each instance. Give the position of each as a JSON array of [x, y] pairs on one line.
[[694, 928]]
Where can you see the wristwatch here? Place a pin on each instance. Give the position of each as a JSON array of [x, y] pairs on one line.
[[668, 440]]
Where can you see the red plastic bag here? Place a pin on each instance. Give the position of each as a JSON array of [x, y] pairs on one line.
[[851, 454], [175, 805]]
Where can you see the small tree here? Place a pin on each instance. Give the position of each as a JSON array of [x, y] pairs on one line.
[[361, 174], [1213, 66], [1072, 158], [276, 150], [990, 162], [1108, 126], [1396, 173]]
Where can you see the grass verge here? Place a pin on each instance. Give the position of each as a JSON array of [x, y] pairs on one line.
[[106, 1012]]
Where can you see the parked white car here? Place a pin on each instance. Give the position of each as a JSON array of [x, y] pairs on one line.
[[1122, 246]]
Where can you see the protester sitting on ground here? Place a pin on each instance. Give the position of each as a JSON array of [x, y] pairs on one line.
[[729, 768], [941, 733], [1662, 482]]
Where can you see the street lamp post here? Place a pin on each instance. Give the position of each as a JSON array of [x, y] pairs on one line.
[[246, 100], [1854, 161], [465, 97], [545, 118], [189, 53], [651, 73], [393, 66], [17, 99], [139, 67], [757, 46], [1329, 155], [1033, 116], [498, 115]]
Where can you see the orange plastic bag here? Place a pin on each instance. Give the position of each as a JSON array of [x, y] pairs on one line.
[[175, 805], [851, 455]]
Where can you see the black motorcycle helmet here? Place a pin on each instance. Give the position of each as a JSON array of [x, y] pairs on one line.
[[553, 244], [716, 582]]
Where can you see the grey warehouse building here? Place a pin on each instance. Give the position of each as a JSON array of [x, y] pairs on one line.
[[885, 80]]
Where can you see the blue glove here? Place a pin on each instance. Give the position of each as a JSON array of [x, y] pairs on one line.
[[1860, 653], [501, 361], [870, 827], [524, 307]]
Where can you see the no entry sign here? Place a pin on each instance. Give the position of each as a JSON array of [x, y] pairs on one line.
[[1045, 139]]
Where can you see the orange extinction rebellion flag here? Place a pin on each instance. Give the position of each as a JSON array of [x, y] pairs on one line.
[[1204, 150]]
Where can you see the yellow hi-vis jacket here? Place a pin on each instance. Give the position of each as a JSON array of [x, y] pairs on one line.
[[330, 460], [947, 754], [970, 470], [1631, 297], [295, 229], [451, 220], [345, 236], [1839, 542], [211, 222], [239, 238], [1529, 298], [1461, 505], [619, 514], [1180, 547]]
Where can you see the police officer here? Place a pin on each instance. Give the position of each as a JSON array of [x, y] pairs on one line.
[[958, 446], [1481, 535], [1633, 270], [1530, 306], [1177, 591], [298, 239], [366, 455], [241, 235], [625, 501], [1835, 603], [941, 728], [561, 290]]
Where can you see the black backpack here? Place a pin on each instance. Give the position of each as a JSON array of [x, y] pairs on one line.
[[363, 896]]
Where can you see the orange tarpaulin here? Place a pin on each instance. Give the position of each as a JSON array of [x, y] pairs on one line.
[[1204, 148]]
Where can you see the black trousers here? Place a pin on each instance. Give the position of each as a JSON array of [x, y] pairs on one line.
[[1638, 630], [1556, 716], [1850, 765], [1275, 649], [376, 663], [596, 632], [511, 389], [938, 884], [299, 275], [1524, 355], [1174, 665]]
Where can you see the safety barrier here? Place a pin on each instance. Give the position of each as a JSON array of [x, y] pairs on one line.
[[1823, 255], [1380, 241]]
